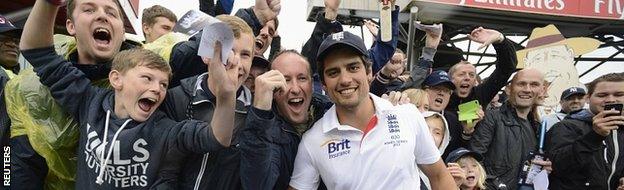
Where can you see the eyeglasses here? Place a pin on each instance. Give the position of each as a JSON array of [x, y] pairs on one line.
[[5, 39]]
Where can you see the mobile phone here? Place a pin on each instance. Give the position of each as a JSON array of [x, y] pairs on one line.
[[617, 107]]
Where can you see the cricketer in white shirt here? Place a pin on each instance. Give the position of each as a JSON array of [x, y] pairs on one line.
[[385, 156]]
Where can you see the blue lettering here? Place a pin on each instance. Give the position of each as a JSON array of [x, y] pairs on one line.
[[335, 147]]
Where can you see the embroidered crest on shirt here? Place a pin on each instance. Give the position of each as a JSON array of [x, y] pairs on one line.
[[394, 130]]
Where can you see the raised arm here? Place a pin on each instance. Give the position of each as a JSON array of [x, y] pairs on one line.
[[257, 16], [39, 27], [505, 62], [423, 67], [260, 162], [326, 24], [381, 52]]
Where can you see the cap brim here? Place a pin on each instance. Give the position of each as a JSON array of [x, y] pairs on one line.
[[446, 83], [566, 97], [13, 32], [322, 53]]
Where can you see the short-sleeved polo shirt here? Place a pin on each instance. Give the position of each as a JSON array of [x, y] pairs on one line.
[[385, 156]]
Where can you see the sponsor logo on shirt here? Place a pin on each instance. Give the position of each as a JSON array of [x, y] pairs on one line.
[[337, 148]]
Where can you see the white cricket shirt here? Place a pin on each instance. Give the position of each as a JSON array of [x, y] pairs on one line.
[[385, 157]]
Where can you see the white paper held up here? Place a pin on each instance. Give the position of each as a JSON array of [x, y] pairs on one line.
[[213, 32]]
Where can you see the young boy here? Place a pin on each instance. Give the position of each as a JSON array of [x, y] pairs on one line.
[[123, 138]]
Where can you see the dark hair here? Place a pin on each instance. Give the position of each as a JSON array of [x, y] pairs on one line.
[[342, 49], [150, 15], [71, 6], [611, 77]]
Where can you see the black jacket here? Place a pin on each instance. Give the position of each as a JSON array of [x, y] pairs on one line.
[[583, 159], [505, 66], [215, 169], [269, 145], [505, 144]]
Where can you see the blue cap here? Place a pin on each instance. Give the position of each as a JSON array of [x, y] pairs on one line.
[[572, 91], [437, 78], [461, 152], [341, 38], [7, 28]]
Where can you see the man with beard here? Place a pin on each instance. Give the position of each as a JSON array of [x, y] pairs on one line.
[[586, 146], [284, 108], [506, 136], [571, 101]]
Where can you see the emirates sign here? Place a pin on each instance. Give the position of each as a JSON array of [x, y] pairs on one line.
[[599, 9]]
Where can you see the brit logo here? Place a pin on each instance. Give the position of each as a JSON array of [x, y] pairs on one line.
[[337, 148]]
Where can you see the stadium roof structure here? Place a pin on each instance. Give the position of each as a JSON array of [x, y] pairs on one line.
[[599, 19], [17, 11]]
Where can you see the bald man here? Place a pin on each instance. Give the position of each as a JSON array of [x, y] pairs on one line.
[[506, 136]]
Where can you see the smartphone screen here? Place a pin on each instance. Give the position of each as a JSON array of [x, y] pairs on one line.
[[617, 107]]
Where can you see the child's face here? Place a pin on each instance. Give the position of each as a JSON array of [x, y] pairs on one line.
[[139, 91], [436, 127], [469, 165]]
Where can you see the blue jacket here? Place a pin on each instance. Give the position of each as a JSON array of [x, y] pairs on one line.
[[268, 146]]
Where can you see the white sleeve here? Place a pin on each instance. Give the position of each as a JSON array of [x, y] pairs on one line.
[[426, 151], [305, 175]]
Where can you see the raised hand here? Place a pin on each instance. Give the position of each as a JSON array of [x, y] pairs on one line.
[[469, 128], [396, 98], [331, 9], [222, 84], [603, 124], [433, 32], [459, 175], [265, 85], [267, 10], [546, 164], [372, 27], [392, 70], [486, 36]]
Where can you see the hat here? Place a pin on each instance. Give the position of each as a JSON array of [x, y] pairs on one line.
[[341, 38], [437, 78], [7, 27], [259, 61], [461, 152], [549, 36], [572, 91]]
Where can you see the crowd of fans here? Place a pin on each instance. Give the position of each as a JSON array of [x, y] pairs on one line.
[[96, 111]]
